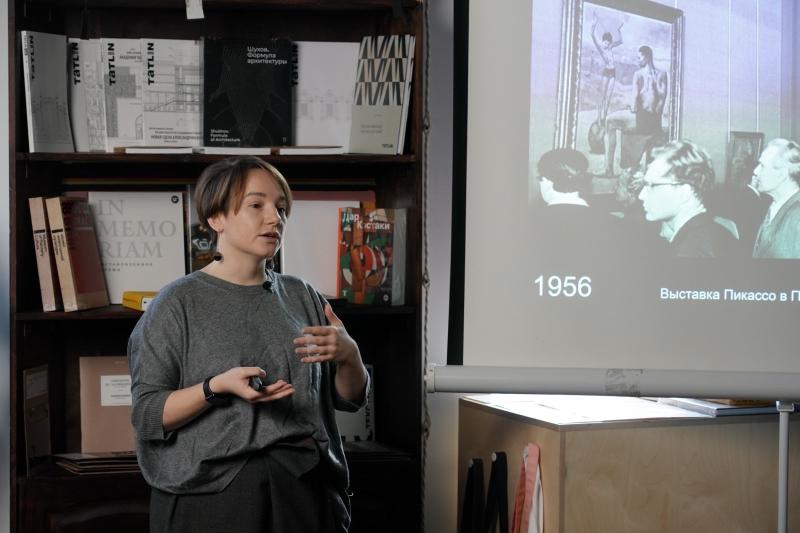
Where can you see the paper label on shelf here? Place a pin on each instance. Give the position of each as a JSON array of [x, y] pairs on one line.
[[35, 384], [115, 390], [194, 9]]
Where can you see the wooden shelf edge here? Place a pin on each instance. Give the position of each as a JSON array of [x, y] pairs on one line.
[[118, 312], [88, 158], [344, 5]]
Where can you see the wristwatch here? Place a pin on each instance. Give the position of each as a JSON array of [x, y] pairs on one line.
[[212, 397]]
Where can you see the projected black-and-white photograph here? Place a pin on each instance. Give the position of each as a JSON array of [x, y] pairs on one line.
[[672, 125]]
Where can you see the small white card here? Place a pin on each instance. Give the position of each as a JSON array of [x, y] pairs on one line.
[[115, 390], [194, 9]]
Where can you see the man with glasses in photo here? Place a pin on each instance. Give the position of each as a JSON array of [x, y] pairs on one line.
[[674, 190], [777, 175]]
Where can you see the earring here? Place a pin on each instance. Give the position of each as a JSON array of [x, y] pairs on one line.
[[217, 256]]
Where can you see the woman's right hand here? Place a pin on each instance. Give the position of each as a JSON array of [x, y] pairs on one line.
[[236, 381]]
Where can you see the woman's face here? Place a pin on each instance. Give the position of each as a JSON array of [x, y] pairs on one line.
[[256, 228]]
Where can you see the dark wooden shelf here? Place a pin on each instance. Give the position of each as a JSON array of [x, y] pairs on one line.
[[327, 5], [118, 312], [116, 159]]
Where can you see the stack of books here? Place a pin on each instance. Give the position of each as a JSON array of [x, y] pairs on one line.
[[97, 463]]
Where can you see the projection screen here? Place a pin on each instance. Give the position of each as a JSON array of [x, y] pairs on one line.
[[630, 209]]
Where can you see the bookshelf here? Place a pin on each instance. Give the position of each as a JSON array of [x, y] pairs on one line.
[[385, 475]]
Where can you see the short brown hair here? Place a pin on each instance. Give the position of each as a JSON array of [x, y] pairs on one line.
[[221, 187]]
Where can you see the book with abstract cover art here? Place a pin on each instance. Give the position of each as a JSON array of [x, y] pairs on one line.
[[372, 260], [247, 92], [380, 101]]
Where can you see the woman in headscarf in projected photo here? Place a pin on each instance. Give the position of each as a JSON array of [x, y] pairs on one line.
[[236, 371], [569, 230]]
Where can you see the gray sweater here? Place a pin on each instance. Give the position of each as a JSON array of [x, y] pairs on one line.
[[201, 326]]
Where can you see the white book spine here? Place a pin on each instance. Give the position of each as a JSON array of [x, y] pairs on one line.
[[77, 97], [46, 102], [122, 62], [93, 80]]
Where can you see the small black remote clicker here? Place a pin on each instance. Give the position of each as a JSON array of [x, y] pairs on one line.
[[256, 384]]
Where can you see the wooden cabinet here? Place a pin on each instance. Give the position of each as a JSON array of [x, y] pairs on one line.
[[632, 471], [47, 499]]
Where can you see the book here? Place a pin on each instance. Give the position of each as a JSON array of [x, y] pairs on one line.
[[36, 412], [93, 81], [141, 238], [77, 98], [46, 95], [247, 92], [45, 260], [97, 463], [717, 409], [138, 300], [198, 239], [371, 254], [382, 85], [312, 232], [309, 150], [154, 150], [122, 82], [80, 273], [324, 75], [172, 92], [232, 150], [360, 425], [105, 404]]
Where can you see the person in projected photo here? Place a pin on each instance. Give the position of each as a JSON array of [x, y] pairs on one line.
[[605, 48], [778, 176], [643, 114], [569, 230], [236, 371], [674, 189]]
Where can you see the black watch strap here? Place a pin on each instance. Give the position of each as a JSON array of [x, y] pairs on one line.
[[212, 397]]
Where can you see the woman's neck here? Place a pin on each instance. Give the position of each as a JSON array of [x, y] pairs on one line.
[[238, 272]]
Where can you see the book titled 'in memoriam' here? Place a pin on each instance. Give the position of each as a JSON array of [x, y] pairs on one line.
[[141, 239], [372, 258], [44, 57], [247, 92], [80, 273]]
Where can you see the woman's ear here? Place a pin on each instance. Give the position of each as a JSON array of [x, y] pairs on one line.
[[217, 222]]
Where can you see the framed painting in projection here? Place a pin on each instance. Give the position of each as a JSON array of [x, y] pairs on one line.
[[620, 81]]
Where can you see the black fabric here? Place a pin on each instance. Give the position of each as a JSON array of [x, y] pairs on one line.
[[497, 495], [266, 496], [472, 511]]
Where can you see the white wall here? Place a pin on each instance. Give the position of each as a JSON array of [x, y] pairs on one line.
[[5, 413], [441, 477]]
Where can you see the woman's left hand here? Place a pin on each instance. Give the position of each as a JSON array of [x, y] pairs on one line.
[[327, 343]]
